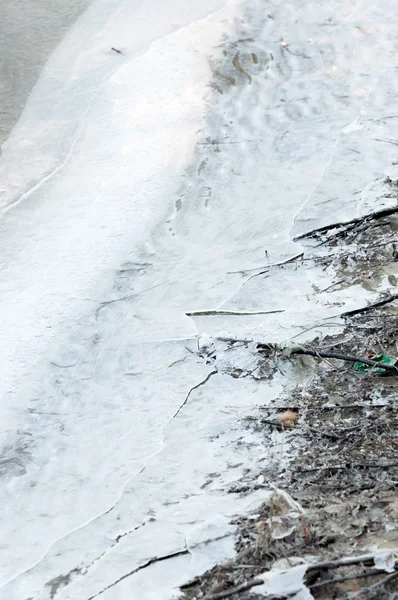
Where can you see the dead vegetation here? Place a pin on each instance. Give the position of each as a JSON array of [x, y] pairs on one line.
[[338, 496]]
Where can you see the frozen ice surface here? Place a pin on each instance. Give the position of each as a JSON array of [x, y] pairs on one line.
[[136, 188]]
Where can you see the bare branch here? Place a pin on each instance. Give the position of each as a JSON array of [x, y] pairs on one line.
[[371, 573], [356, 311], [209, 313], [346, 357], [376, 215]]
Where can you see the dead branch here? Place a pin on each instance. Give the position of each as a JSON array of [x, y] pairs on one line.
[[62, 366], [371, 573], [357, 311], [331, 286], [233, 340], [347, 466], [209, 313], [346, 357], [342, 562], [330, 565], [266, 268], [364, 592], [376, 215]]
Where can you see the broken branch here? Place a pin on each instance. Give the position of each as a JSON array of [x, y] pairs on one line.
[[346, 357], [356, 311], [376, 215], [209, 313], [342, 562], [366, 591], [371, 573], [266, 268], [347, 466]]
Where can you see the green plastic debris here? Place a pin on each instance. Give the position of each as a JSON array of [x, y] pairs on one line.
[[383, 359]]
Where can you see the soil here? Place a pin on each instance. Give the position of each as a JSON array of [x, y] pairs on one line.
[[345, 474]]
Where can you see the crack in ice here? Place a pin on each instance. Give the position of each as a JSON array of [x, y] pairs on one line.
[[110, 509], [150, 562]]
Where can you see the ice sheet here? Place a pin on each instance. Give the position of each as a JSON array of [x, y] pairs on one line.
[[153, 182]]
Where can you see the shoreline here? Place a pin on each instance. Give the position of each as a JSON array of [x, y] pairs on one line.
[[331, 517]]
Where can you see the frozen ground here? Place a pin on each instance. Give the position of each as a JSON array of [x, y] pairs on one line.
[[141, 186]]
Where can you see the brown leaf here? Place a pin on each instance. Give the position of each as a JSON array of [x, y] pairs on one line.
[[287, 418]]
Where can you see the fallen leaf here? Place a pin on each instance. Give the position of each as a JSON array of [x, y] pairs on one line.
[[287, 418]]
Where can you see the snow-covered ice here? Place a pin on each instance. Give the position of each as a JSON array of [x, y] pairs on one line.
[[141, 186]]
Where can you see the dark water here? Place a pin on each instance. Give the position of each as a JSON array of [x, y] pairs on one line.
[[29, 32]]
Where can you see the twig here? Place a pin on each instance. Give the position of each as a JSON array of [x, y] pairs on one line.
[[376, 215], [325, 565], [350, 313], [239, 588], [177, 361], [331, 436], [266, 267], [233, 340], [62, 366], [269, 422], [387, 141], [342, 562], [370, 573], [346, 357], [347, 466], [332, 285], [237, 567], [365, 591], [378, 245], [351, 406], [280, 425], [217, 142], [209, 313]]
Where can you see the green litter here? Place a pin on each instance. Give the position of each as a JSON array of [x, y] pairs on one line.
[[383, 359]]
